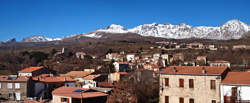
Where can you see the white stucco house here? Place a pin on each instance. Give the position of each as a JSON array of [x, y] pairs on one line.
[[235, 88], [130, 57]]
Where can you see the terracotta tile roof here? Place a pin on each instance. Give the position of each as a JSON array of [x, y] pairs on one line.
[[31, 69], [77, 74], [69, 91], [92, 76], [53, 79], [155, 66], [194, 70], [105, 84], [5, 78], [242, 78], [122, 73]]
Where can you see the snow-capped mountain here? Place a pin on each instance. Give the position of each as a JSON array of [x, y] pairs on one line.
[[11, 40], [233, 29], [38, 38]]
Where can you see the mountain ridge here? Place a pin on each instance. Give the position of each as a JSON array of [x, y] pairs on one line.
[[233, 29]]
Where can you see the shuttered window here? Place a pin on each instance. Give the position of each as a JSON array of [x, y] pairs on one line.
[[166, 82], [212, 84], [191, 83], [181, 83], [9, 85], [181, 100], [166, 99], [234, 92], [17, 85]]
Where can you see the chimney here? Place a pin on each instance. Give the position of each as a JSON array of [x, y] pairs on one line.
[[203, 70], [175, 70]]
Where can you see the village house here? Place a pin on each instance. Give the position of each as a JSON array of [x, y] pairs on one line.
[[220, 63], [156, 56], [235, 88], [189, 63], [78, 76], [15, 87], [114, 56], [80, 55], [241, 47], [146, 56], [191, 84], [77, 95], [91, 80], [115, 77], [195, 45], [34, 71], [202, 60], [46, 83], [122, 66], [212, 47], [178, 56], [130, 57]]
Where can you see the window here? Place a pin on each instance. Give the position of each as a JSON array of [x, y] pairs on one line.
[[213, 101], [17, 85], [234, 92], [64, 100], [191, 83], [166, 99], [10, 95], [166, 82], [0, 85], [181, 100], [191, 100], [9, 85], [181, 83], [212, 84]]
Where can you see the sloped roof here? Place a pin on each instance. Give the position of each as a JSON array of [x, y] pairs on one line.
[[69, 91], [77, 74], [31, 69], [92, 76], [105, 84], [239, 78], [194, 70], [53, 79], [5, 78]]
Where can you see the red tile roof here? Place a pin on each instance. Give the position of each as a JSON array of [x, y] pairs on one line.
[[122, 73], [239, 78], [53, 79], [4, 78], [69, 91], [105, 84], [194, 70], [31, 69], [76, 74], [92, 76]]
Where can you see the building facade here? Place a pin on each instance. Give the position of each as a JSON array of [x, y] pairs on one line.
[[188, 84]]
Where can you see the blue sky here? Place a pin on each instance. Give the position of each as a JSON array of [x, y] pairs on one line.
[[57, 18]]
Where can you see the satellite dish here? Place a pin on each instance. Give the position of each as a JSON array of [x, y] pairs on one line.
[[78, 90]]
